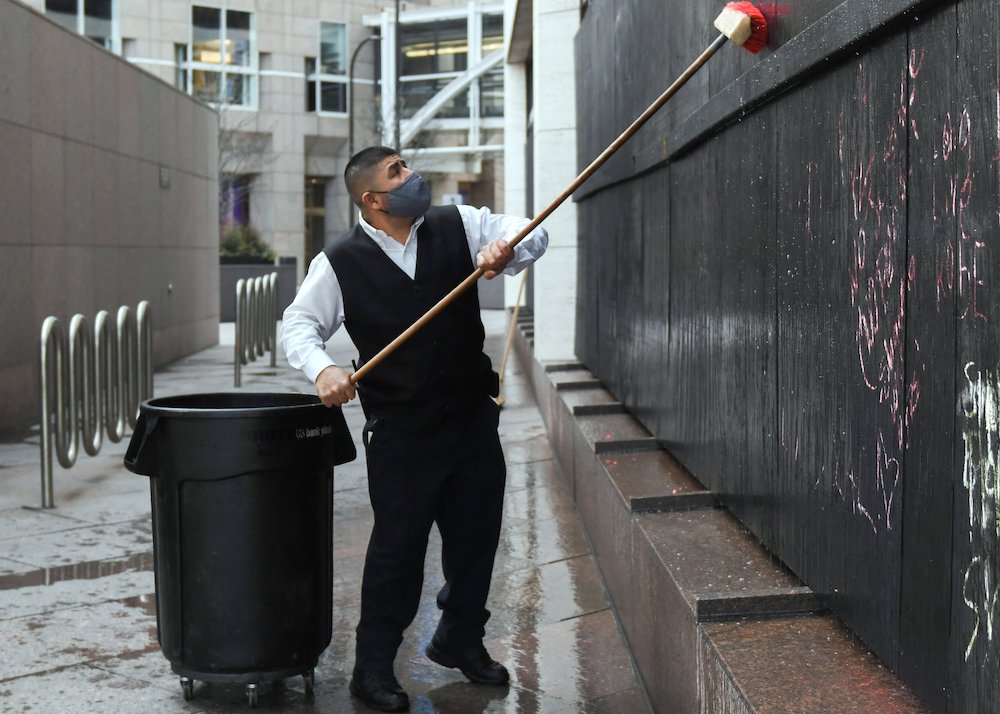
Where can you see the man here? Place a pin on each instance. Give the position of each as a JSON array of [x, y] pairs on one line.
[[431, 433]]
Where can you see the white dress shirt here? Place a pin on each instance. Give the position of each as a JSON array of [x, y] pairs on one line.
[[318, 309]]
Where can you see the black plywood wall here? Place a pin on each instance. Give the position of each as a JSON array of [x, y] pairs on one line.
[[792, 277]]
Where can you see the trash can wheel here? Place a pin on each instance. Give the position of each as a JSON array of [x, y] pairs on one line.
[[310, 681], [187, 686]]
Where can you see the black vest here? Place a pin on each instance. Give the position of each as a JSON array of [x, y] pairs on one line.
[[442, 368]]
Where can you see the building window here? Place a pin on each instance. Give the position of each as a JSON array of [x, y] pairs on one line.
[[326, 74], [491, 83], [96, 20], [435, 48], [234, 200], [433, 54], [219, 65], [315, 216]]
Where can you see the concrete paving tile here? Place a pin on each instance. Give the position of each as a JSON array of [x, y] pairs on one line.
[[436, 689], [535, 449], [79, 544], [576, 660], [628, 700], [154, 669], [350, 476], [114, 508], [544, 541], [350, 537], [352, 503], [511, 416], [539, 503], [547, 594], [62, 638], [87, 689], [15, 522], [533, 473], [19, 449], [13, 567], [518, 431], [37, 600]]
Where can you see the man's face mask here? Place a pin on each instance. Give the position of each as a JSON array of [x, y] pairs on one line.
[[410, 198]]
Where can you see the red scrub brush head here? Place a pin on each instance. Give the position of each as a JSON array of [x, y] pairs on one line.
[[744, 25]]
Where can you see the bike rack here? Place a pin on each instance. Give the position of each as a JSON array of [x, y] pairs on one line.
[[256, 324], [100, 377]]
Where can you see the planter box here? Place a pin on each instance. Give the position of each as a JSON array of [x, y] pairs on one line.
[[230, 274]]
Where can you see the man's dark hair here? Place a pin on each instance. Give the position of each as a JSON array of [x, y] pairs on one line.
[[356, 174]]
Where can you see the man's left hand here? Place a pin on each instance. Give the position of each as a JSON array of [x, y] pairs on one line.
[[494, 257]]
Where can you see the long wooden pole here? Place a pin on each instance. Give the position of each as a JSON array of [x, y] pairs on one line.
[[577, 182]]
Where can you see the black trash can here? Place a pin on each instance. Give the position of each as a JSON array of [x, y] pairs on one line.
[[242, 497]]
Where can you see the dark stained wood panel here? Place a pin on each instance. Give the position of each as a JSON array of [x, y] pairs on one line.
[[802, 306]]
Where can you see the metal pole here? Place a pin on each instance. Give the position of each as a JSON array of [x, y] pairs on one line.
[[350, 109], [272, 318], [238, 330], [396, 67]]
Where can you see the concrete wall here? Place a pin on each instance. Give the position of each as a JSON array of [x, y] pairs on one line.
[[108, 196], [553, 26]]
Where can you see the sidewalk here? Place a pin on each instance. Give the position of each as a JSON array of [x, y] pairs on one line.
[[77, 606]]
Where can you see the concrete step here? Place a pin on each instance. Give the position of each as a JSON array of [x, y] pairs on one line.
[[715, 623]]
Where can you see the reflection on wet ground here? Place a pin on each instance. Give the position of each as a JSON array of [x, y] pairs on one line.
[[77, 605]]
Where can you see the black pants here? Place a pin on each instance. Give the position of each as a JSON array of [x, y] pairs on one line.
[[455, 477]]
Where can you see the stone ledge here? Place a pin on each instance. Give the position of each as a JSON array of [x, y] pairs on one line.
[[561, 366], [795, 664], [755, 603], [714, 622]]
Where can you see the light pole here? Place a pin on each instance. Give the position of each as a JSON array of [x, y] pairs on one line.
[[399, 70], [350, 92], [350, 110]]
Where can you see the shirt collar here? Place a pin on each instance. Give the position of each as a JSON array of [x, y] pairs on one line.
[[383, 238]]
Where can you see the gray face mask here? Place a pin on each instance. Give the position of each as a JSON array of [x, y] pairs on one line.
[[410, 198]]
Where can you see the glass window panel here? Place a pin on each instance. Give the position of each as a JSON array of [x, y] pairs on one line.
[[205, 85], [180, 59], [415, 95], [238, 38], [63, 12], [332, 48], [238, 89], [492, 33], [97, 21], [491, 94], [333, 97], [310, 84], [315, 192], [436, 47], [206, 34]]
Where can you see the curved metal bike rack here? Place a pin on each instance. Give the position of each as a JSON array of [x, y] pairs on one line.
[[256, 322], [99, 378]]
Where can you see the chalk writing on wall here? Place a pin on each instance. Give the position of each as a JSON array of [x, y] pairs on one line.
[[980, 406], [873, 173]]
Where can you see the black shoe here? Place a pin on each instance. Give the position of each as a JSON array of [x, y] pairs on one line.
[[379, 690], [474, 662]]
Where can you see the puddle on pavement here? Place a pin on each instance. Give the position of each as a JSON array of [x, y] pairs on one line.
[[90, 570]]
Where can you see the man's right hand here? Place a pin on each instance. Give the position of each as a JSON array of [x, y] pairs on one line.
[[333, 385]]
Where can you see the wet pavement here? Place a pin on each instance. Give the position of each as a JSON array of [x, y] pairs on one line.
[[77, 605]]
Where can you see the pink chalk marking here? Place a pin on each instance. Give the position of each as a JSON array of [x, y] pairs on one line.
[[915, 65], [887, 468]]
